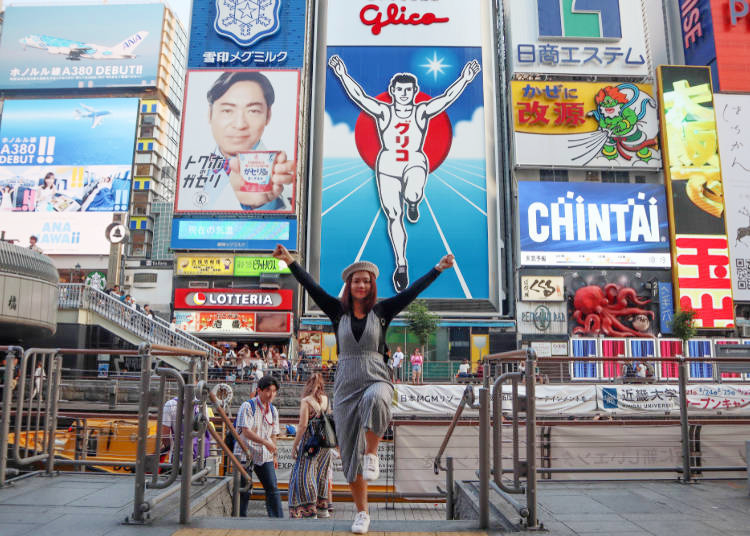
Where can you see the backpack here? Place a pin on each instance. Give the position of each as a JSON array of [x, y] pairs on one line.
[[229, 438], [196, 440]]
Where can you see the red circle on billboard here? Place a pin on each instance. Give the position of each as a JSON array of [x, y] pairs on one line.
[[199, 298], [437, 142]]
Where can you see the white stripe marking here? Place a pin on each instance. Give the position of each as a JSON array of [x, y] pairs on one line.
[[337, 203], [346, 179], [460, 276], [467, 171], [339, 165], [459, 194], [363, 246], [464, 180]]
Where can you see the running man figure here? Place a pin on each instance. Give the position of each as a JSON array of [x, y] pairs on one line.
[[402, 166]]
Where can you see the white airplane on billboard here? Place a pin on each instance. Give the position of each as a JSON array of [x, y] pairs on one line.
[[88, 112], [75, 50]]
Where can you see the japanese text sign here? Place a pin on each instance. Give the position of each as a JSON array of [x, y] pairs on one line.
[[542, 288], [204, 265], [585, 124], [696, 193], [247, 33], [565, 37]]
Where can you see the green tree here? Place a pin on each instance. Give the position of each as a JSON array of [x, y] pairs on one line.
[[683, 327], [421, 321]]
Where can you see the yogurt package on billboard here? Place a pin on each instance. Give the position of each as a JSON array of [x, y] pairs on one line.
[[256, 168]]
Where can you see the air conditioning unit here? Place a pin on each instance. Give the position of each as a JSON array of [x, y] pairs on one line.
[[198, 284], [746, 331]]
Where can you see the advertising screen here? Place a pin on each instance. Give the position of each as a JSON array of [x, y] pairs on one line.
[[584, 224], [239, 142], [696, 195], [58, 234], [236, 235], [234, 33], [232, 322], [404, 169], [67, 155], [732, 117], [80, 46], [580, 124], [566, 37]]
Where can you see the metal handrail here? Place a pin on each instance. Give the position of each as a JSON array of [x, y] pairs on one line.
[[466, 400], [150, 329]]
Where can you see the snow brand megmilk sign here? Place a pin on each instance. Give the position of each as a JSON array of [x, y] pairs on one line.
[[582, 224]]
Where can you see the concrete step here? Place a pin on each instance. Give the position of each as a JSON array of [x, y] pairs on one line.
[[501, 513]]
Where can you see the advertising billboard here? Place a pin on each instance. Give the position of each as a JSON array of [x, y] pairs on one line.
[[566, 37], [232, 322], [696, 195], [227, 298], [235, 33], [238, 146], [204, 265], [697, 32], [403, 145], [67, 155], [255, 266], [732, 118], [236, 235], [84, 46], [593, 224], [59, 234], [580, 124]]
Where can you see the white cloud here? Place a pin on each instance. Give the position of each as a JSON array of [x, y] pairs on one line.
[[468, 137], [339, 140]]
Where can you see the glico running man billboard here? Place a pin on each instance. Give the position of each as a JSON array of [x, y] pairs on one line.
[[64, 156], [80, 46], [404, 169]]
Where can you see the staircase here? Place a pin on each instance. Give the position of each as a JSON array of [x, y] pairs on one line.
[[81, 304]]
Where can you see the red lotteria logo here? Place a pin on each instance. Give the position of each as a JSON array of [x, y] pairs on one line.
[[395, 15], [199, 298]]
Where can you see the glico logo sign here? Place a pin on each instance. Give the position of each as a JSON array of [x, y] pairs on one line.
[[580, 19]]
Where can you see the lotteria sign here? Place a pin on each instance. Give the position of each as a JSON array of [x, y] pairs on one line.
[[188, 298], [581, 224]]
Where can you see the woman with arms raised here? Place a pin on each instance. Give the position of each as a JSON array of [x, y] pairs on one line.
[[362, 389]]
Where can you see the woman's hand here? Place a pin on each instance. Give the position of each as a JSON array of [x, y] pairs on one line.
[[445, 262], [282, 173], [282, 254]]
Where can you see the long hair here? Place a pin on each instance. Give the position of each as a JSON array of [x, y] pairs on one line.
[[369, 302], [315, 386]]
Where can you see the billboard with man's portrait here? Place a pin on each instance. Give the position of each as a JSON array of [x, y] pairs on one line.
[[239, 142]]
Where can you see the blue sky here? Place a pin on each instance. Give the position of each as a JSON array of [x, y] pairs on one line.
[[180, 7]]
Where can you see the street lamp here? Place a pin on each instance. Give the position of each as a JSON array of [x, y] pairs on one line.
[[77, 272]]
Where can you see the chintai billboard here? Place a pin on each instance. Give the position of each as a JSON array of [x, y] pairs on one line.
[[403, 146], [593, 224]]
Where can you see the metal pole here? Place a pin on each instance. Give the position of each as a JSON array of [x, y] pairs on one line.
[[187, 453], [56, 365], [484, 458], [235, 492], [449, 488], [684, 425], [140, 468], [531, 521], [10, 366]]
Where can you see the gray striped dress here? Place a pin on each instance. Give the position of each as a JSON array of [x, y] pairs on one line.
[[362, 390]]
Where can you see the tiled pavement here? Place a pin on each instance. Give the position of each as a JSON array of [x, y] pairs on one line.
[[95, 505]]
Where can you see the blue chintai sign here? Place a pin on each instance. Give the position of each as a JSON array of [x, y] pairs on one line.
[[247, 33], [582, 224]]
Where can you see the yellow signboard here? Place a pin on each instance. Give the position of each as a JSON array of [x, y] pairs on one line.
[[204, 265], [579, 124]]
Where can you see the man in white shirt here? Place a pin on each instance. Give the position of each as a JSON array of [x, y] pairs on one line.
[[258, 426], [398, 358], [464, 369]]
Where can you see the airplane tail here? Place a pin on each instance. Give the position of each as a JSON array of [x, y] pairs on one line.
[[126, 47]]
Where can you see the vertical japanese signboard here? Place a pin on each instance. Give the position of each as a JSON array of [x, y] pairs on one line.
[[569, 37], [696, 195], [404, 168], [733, 122], [583, 124]]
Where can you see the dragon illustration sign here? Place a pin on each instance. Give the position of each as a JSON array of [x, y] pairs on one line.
[[585, 125]]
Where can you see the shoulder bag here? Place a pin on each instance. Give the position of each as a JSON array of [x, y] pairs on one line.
[[322, 433]]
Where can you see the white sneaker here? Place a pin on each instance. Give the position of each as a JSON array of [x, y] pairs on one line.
[[371, 469], [361, 523], [323, 513]]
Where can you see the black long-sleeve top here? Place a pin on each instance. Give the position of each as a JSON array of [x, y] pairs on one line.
[[386, 310]]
